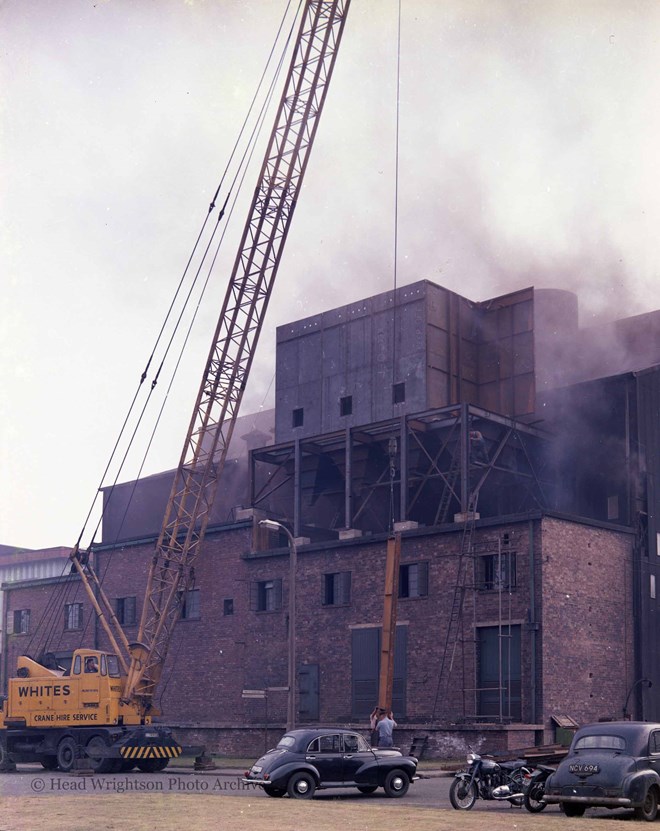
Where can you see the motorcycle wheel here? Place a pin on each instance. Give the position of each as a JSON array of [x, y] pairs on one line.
[[462, 794], [532, 798]]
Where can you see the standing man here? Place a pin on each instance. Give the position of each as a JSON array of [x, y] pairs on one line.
[[385, 727]]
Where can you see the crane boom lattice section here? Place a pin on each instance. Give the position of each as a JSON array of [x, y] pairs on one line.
[[235, 339]]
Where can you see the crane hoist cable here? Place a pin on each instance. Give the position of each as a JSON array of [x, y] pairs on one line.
[[48, 621], [57, 601], [391, 451], [243, 169], [161, 334], [235, 338]]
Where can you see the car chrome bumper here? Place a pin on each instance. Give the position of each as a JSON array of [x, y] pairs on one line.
[[594, 801]]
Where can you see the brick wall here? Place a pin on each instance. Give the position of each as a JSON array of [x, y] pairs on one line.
[[580, 642], [587, 619]]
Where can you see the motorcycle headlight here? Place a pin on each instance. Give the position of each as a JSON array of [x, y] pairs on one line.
[[471, 757]]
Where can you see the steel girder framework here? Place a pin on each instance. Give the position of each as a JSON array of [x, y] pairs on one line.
[[235, 338], [426, 468]]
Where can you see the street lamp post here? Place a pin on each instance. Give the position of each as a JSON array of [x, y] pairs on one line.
[[272, 525]]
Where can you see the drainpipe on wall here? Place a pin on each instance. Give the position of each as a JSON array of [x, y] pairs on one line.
[[532, 619]]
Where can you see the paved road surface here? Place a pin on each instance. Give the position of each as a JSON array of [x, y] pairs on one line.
[[430, 791]]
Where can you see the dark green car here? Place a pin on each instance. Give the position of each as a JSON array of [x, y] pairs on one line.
[[609, 765]]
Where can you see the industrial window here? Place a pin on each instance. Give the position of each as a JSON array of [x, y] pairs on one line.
[[497, 571], [266, 595], [298, 417], [125, 611], [652, 587], [18, 622], [72, 616], [365, 670], [228, 606], [190, 608], [337, 588], [414, 580], [398, 393], [499, 671], [346, 405]]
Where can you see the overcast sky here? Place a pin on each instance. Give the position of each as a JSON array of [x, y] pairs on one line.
[[528, 155]]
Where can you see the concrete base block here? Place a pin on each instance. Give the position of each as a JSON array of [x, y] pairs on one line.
[[349, 533], [408, 525], [468, 516], [241, 514]]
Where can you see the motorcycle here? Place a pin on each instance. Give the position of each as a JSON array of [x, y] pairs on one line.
[[487, 779], [534, 788]]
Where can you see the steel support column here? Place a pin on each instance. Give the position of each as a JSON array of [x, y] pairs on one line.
[[465, 458], [348, 479], [403, 469], [297, 496]]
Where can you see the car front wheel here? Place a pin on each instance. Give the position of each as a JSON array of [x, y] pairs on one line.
[[367, 788], [649, 810], [270, 790], [572, 810], [396, 783], [301, 786]]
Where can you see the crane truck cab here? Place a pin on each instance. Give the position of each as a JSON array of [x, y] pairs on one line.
[[54, 716]]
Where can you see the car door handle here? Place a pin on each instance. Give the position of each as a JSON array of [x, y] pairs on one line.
[[310, 757]]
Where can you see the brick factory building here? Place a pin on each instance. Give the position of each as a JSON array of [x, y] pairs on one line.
[[517, 455]]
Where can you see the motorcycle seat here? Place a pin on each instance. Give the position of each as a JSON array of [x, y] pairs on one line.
[[517, 763]]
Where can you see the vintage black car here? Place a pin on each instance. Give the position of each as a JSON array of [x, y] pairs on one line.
[[612, 765], [307, 760]]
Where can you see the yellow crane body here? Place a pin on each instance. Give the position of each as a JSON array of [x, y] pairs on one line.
[[56, 716]]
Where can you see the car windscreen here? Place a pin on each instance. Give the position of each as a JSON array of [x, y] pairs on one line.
[[605, 742]]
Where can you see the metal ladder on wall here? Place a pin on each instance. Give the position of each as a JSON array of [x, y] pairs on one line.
[[456, 613]]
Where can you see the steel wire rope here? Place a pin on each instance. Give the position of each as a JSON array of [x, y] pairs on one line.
[[56, 600], [52, 603], [397, 119], [60, 596], [242, 171], [247, 160], [190, 259]]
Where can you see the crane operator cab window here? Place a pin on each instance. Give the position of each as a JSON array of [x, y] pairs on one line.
[[113, 666], [91, 663]]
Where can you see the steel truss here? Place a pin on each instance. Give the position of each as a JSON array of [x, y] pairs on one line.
[[427, 468]]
